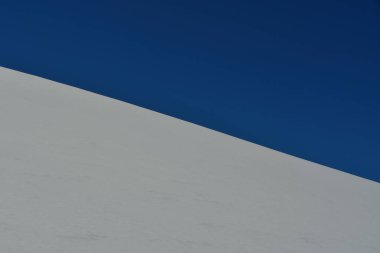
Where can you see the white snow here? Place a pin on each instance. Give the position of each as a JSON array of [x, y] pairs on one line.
[[82, 173]]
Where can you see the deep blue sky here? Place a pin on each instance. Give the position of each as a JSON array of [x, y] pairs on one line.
[[302, 77]]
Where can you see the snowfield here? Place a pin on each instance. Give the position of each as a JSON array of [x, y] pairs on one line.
[[83, 173]]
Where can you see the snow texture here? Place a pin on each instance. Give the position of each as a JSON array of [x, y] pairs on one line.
[[82, 173]]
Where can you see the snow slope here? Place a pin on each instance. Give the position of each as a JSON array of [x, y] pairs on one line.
[[82, 173]]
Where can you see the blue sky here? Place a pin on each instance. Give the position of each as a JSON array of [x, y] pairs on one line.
[[302, 77]]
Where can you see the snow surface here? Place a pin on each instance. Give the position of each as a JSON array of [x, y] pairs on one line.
[[82, 173]]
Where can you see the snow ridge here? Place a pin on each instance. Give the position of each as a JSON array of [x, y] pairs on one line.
[[84, 173]]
